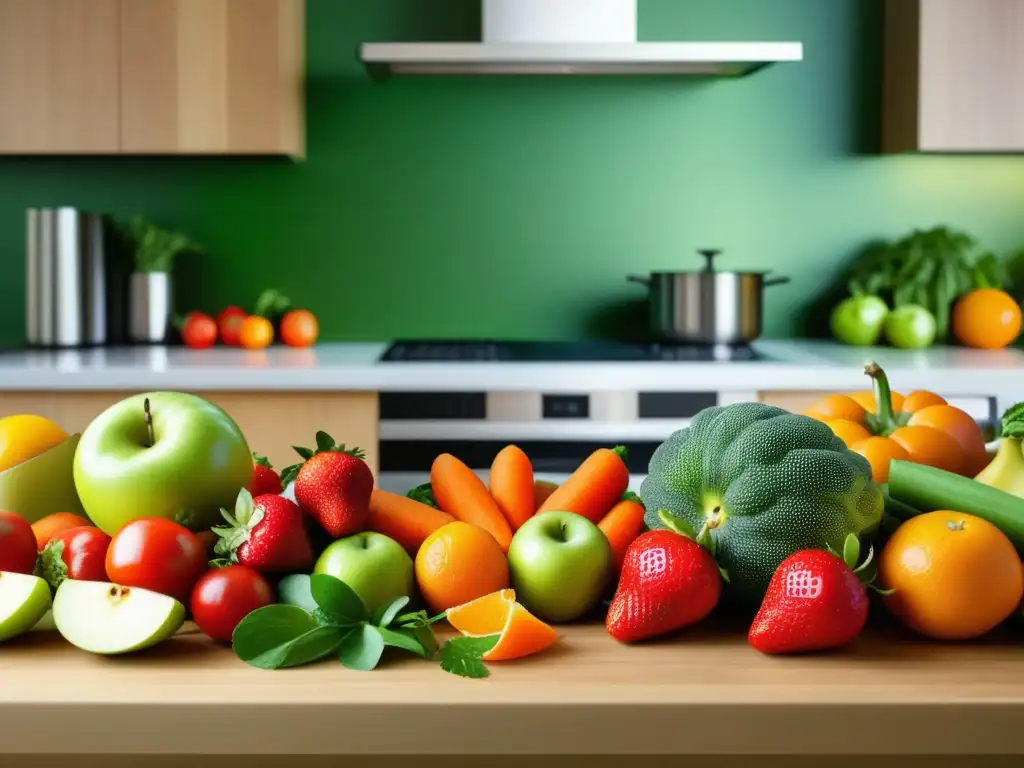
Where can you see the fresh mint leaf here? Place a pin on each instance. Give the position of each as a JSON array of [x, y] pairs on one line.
[[361, 648], [406, 640], [418, 619], [277, 636], [295, 590], [386, 614], [424, 494], [337, 600], [463, 656], [426, 637]]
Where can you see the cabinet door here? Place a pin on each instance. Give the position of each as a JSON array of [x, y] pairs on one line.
[[58, 76], [212, 76]]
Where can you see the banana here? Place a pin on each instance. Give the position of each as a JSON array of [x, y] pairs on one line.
[[1006, 470]]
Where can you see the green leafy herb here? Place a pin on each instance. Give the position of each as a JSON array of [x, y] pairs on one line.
[[631, 496], [155, 249], [424, 494], [278, 636], [388, 613], [409, 640], [336, 600], [362, 648], [271, 303], [295, 590], [464, 655]]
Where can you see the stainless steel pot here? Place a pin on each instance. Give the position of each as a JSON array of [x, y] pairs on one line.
[[707, 307]]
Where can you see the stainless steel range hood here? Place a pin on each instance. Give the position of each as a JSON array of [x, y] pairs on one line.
[[571, 37]]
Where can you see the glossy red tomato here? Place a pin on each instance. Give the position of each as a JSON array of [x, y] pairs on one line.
[[15, 533], [225, 596], [229, 324], [84, 553], [156, 554], [199, 331]]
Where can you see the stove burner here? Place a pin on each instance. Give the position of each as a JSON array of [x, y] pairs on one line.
[[426, 351]]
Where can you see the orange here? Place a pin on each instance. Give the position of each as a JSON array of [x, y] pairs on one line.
[[25, 436], [954, 576], [49, 526], [256, 332], [521, 633], [986, 318], [458, 563], [299, 328]]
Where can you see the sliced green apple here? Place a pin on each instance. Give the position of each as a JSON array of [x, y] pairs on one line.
[[24, 600], [99, 617]]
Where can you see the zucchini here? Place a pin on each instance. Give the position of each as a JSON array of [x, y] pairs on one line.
[[928, 489]]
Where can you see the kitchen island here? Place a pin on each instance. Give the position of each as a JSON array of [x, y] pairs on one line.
[[702, 693]]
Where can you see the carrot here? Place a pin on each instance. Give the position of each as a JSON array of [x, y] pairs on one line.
[[622, 525], [541, 490], [511, 485], [405, 520], [594, 488], [462, 494]]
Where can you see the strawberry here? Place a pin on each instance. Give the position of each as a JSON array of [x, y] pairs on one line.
[[333, 484], [816, 600], [264, 478], [266, 533], [668, 582]]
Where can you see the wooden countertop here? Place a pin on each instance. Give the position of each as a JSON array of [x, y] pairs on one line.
[[703, 692]]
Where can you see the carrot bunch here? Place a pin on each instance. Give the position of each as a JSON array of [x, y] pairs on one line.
[[597, 490]]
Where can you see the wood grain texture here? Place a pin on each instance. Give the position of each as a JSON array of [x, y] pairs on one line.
[[212, 77], [271, 421], [514, 761], [703, 692], [59, 76], [954, 76]]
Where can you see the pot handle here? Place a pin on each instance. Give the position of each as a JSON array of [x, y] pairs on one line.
[[768, 282], [639, 279]]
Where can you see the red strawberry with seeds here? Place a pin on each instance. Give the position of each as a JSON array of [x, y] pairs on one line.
[[264, 478], [816, 600], [266, 533], [333, 484], [668, 582]]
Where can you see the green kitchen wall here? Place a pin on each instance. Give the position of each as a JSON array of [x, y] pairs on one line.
[[516, 207]]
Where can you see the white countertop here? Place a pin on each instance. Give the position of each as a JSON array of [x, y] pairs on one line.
[[787, 365]]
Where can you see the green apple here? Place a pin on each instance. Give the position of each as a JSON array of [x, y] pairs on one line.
[[560, 563], [186, 468], [376, 567], [108, 619], [858, 320], [24, 600], [910, 326]]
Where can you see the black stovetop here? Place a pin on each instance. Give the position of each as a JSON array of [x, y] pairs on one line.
[[424, 351]]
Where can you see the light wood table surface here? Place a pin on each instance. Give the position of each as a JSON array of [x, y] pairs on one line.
[[703, 693]]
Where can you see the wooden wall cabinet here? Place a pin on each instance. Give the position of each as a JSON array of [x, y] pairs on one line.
[[152, 77], [954, 76]]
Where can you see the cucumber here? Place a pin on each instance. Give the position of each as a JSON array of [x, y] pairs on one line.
[[928, 489]]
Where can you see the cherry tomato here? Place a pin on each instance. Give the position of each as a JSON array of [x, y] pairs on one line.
[[199, 331], [15, 537], [229, 324], [256, 333], [48, 527], [84, 553], [156, 554], [299, 328], [225, 596]]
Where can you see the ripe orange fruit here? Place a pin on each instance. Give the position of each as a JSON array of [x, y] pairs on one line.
[[25, 436], [521, 633], [986, 318], [458, 563], [49, 526], [299, 328], [954, 576], [256, 332]]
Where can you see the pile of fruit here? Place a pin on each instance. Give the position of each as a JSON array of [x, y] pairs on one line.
[[271, 318], [800, 522]]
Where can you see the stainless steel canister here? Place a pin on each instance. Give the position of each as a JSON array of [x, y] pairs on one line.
[[150, 303]]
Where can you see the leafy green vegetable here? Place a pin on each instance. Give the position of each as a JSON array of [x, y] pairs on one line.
[[464, 655], [295, 590], [277, 636], [388, 613], [337, 600], [155, 249], [424, 494], [362, 648], [1012, 423]]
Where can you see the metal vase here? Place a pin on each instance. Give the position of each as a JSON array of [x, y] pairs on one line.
[[150, 311]]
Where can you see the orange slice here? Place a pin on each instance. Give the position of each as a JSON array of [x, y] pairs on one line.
[[522, 633]]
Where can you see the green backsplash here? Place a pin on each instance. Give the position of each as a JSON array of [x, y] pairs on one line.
[[516, 207]]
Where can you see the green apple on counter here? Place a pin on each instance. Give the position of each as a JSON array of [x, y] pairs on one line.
[[24, 600], [110, 619], [374, 566], [560, 564], [185, 465], [910, 326], [859, 320]]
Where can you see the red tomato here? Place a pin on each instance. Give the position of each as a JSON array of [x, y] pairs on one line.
[[199, 331], [15, 536], [84, 553], [225, 596], [299, 328], [229, 324], [156, 554]]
